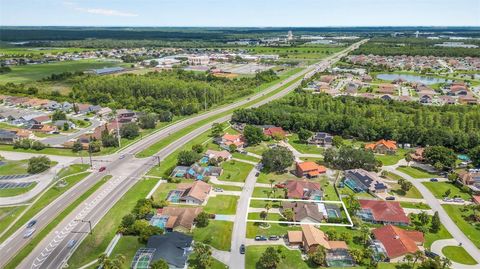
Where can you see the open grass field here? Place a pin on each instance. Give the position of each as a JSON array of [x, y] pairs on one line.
[[222, 204], [38, 237], [458, 254], [303, 147], [235, 171], [439, 188], [266, 177], [411, 193], [9, 214], [34, 72], [311, 52], [24, 52], [391, 159], [96, 243], [460, 216], [217, 234], [16, 191], [46, 198], [415, 172]]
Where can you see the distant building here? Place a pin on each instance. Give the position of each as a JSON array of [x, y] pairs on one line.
[[383, 146], [105, 71], [198, 60]]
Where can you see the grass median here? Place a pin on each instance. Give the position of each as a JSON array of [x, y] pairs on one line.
[[177, 135], [39, 236], [70, 177]]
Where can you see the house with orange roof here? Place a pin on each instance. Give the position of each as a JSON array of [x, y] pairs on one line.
[[309, 169], [386, 89], [274, 132], [383, 146], [395, 242], [232, 139], [43, 128]]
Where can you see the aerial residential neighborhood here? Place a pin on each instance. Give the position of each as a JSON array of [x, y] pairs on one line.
[[250, 135]]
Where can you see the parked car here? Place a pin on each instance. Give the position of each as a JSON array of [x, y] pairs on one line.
[[446, 199], [71, 243], [260, 238], [56, 132], [218, 189], [29, 232], [242, 249], [122, 156], [103, 168], [280, 186], [434, 180], [430, 254], [31, 223], [390, 198], [257, 174], [273, 238], [458, 200], [86, 119]]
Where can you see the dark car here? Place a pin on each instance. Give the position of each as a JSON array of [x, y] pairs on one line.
[[103, 168], [273, 238], [434, 180], [257, 174], [260, 238], [242, 249], [390, 198], [431, 254], [86, 119], [31, 223]]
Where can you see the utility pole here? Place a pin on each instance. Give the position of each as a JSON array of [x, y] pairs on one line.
[[118, 131], [205, 98], [90, 153]]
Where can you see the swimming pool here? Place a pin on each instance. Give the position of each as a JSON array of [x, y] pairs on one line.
[[463, 157], [332, 213], [204, 159], [352, 185], [159, 221], [174, 196]]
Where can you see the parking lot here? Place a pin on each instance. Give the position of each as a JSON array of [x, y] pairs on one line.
[[243, 69], [11, 185], [13, 176]]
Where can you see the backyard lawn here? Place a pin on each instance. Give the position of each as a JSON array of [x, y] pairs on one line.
[[415, 172], [222, 204], [257, 149], [292, 258], [439, 188], [254, 228], [265, 178], [127, 246], [470, 228], [217, 234], [235, 171], [458, 254]]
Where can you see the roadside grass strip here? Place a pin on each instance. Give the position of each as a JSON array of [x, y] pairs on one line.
[[38, 237], [339, 203]]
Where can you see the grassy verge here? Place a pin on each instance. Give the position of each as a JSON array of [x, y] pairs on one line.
[[47, 229], [127, 246], [96, 243], [292, 258], [302, 147], [415, 172], [9, 214], [245, 157], [164, 142], [458, 254], [222, 204], [462, 217], [439, 188], [46, 198], [217, 234], [414, 205]]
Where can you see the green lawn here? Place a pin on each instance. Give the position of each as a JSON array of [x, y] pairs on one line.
[[303, 147], [49, 196], [235, 171], [458, 254], [415, 172], [8, 214], [127, 246], [254, 229], [222, 204], [95, 244], [14, 167], [217, 234], [238, 155], [391, 159], [262, 192], [439, 188], [216, 264], [293, 258], [411, 193], [265, 178], [39, 235], [226, 187], [257, 149], [33, 72], [414, 205], [432, 237], [16, 191], [470, 228]]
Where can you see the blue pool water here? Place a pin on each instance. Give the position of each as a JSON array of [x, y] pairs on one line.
[[463, 157], [204, 160], [159, 221]]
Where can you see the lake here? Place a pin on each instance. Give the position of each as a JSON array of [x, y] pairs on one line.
[[412, 78]]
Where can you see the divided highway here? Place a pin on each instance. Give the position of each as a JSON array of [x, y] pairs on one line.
[[53, 252]]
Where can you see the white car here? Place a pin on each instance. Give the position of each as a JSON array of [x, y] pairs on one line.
[[29, 232]]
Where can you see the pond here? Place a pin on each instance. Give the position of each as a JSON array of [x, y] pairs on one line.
[[412, 78]]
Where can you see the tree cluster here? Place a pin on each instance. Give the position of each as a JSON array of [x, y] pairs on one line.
[[348, 157]]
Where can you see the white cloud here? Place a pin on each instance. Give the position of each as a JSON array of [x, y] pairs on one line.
[[99, 11]]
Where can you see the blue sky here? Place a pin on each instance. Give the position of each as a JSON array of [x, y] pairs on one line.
[[241, 12]]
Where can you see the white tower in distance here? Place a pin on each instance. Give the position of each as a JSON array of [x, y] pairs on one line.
[[416, 34], [290, 36]]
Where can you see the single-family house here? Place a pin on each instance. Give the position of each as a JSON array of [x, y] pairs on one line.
[[395, 242], [275, 132], [215, 154], [60, 124], [232, 139], [360, 180], [470, 178], [7, 136], [321, 139], [43, 128], [303, 189], [174, 248], [40, 119], [417, 155], [180, 218], [383, 146], [386, 89], [309, 169], [190, 193], [383, 212]]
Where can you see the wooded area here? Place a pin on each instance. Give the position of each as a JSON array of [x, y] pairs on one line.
[[456, 127]]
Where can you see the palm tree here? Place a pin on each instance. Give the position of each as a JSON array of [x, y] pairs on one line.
[[446, 263], [350, 198], [418, 255], [268, 206], [365, 232], [408, 258], [271, 182]]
